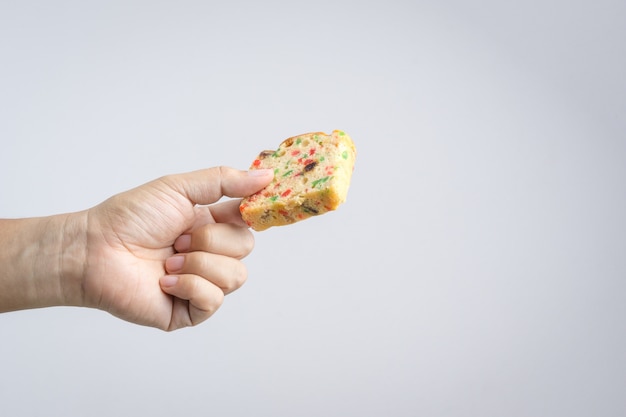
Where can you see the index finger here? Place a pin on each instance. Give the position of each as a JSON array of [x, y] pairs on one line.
[[227, 212]]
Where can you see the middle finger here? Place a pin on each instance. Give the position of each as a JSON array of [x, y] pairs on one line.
[[225, 272]]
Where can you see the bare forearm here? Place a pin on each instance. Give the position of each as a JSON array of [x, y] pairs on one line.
[[41, 261]]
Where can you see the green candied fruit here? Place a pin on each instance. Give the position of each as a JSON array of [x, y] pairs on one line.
[[319, 181], [344, 154], [322, 158], [273, 198], [288, 172], [298, 141], [341, 133], [276, 171]]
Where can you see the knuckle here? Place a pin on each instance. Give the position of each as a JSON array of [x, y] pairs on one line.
[[246, 243], [193, 263], [238, 277], [216, 301], [204, 238], [195, 286], [207, 308]]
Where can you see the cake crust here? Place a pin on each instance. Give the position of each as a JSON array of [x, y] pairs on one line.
[[312, 174]]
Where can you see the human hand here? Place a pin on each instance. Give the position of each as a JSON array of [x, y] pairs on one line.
[[157, 255]]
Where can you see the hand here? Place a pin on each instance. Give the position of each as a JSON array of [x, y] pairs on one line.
[[158, 256]]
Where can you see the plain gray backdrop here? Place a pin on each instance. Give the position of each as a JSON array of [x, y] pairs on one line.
[[477, 269]]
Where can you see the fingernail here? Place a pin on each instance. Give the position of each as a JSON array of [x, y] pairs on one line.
[[183, 243], [169, 280], [174, 263], [260, 172]]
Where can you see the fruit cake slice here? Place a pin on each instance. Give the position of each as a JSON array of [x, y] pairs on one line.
[[311, 177]]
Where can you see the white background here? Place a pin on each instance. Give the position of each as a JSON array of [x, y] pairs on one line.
[[477, 269]]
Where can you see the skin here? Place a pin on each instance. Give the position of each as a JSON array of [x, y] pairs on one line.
[[163, 254]]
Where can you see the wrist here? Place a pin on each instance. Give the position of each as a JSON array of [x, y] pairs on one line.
[[42, 261], [72, 257]]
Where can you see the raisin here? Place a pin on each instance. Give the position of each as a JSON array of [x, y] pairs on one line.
[[310, 166], [310, 210], [265, 154]]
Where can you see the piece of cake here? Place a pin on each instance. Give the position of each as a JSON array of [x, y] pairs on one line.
[[311, 177]]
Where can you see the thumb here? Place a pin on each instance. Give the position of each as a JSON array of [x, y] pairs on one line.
[[207, 186]]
